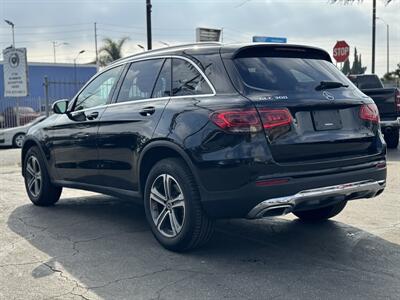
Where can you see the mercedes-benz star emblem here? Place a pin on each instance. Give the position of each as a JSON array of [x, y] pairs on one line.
[[328, 95]]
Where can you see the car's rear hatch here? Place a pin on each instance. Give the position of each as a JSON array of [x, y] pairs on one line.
[[308, 122]]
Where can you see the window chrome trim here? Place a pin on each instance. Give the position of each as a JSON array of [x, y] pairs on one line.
[[150, 99], [140, 101]]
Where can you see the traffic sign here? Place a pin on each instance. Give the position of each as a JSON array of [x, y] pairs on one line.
[[341, 51], [15, 68], [269, 39]]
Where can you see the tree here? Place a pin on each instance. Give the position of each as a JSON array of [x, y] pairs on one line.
[[346, 67], [357, 67], [112, 50], [394, 75]]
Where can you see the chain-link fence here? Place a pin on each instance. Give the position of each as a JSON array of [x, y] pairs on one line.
[[20, 111]]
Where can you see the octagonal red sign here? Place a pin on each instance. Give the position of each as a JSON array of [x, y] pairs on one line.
[[341, 51]]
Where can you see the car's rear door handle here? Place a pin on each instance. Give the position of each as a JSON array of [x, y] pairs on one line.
[[92, 115], [147, 111]]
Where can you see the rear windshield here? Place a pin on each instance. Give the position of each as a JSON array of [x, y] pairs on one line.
[[289, 74]]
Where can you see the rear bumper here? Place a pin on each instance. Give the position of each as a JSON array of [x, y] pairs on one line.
[[307, 198], [303, 192], [391, 123]]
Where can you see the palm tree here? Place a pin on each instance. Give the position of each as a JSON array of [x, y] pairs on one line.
[[112, 50]]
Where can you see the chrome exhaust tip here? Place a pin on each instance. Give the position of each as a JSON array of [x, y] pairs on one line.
[[274, 211]]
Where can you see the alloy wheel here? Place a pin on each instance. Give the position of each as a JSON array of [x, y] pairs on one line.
[[19, 140], [33, 176], [167, 205]]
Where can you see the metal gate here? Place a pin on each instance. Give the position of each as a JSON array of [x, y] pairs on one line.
[[20, 111]]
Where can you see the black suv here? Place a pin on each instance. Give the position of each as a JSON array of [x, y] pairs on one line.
[[206, 131]]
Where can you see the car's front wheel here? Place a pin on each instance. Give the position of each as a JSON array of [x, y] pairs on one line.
[[18, 140], [37, 180], [173, 208], [321, 214]]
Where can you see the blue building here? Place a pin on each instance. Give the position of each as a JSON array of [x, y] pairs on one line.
[[64, 81]]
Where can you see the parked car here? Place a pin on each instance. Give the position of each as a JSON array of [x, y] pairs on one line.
[[207, 131], [15, 136], [388, 102], [26, 115]]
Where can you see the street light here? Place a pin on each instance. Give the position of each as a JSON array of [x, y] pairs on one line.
[[387, 43], [13, 45], [76, 57], [12, 30], [55, 44], [141, 47]]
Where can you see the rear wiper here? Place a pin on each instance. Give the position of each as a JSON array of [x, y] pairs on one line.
[[323, 85]]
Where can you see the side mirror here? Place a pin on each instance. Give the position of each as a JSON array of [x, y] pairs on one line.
[[60, 106]]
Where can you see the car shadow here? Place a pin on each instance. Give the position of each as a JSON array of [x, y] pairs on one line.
[[106, 245]]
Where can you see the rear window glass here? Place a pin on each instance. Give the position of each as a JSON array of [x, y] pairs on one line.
[[286, 73], [186, 80]]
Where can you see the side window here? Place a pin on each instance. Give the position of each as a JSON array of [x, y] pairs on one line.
[[163, 84], [139, 80], [98, 91], [186, 80]]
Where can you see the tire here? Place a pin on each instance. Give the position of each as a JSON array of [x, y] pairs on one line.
[[392, 138], [321, 214], [192, 227], [40, 191], [18, 140]]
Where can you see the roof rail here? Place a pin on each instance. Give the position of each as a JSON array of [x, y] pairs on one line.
[[168, 48]]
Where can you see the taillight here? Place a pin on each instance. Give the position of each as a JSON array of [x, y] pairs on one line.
[[249, 120], [237, 120], [369, 112], [397, 100], [275, 117]]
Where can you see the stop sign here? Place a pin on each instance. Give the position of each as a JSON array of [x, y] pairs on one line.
[[341, 51]]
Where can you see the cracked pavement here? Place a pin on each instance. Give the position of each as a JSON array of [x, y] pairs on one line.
[[91, 246]]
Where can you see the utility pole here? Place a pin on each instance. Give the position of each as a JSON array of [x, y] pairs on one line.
[[148, 21], [373, 35], [55, 45], [54, 51], [95, 45]]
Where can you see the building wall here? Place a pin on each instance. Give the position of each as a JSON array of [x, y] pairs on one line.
[[63, 74]]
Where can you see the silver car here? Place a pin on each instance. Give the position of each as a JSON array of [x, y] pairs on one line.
[[15, 136]]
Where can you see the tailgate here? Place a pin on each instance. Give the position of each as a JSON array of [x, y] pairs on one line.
[[321, 130], [385, 99]]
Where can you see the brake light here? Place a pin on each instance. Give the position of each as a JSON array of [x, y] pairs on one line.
[[397, 100], [275, 117], [369, 112], [248, 120], [238, 120]]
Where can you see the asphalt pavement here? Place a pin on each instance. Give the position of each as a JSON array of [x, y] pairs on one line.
[[91, 246]]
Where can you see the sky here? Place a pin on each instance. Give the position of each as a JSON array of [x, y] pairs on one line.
[[311, 22]]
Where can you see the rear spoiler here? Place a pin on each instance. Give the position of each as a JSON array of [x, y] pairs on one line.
[[277, 50]]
